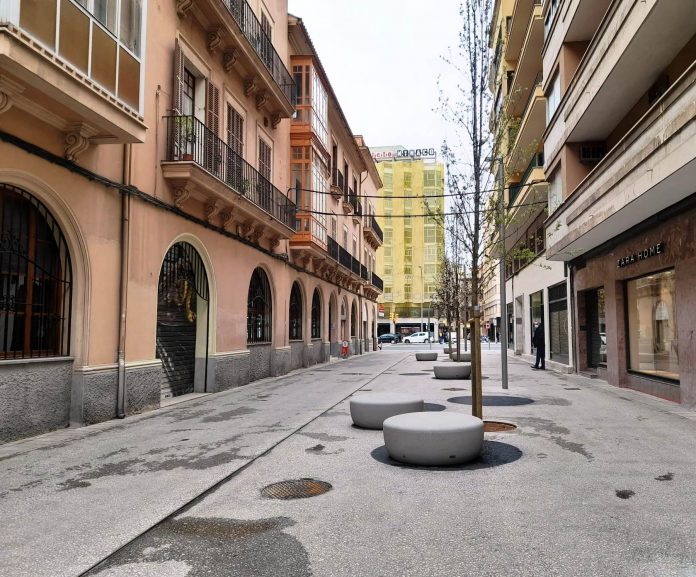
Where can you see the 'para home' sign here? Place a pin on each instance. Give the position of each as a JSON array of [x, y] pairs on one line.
[[644, 254]]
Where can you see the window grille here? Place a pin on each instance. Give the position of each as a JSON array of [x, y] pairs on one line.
[[295, 315], [35, 279], [316, 315], [259, 308]]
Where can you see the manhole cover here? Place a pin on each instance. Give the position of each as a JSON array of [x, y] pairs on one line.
[[498, 427], [295, 489]]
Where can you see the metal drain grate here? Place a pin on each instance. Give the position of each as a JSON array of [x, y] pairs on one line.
[[295, 489], [411, 374]]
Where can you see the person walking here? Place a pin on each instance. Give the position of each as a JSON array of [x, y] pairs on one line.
[[538, 342]]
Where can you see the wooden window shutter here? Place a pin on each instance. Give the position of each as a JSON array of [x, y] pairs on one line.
[[213, 109], [213, 151], [178, 78]]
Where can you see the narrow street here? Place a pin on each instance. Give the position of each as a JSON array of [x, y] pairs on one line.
[[595, 481]]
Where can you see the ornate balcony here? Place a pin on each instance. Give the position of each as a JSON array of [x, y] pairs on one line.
[[377, 282], [200, 165], [238, 34], [337, 184], [357, 211], [372, 232], [348, 199]]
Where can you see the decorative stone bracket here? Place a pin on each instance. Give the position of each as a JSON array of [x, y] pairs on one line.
[[77, 140], [8, 90]]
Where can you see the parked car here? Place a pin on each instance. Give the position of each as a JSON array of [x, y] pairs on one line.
[[389, 338], [419, 338]]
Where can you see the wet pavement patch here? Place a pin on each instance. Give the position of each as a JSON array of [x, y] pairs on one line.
[[665, 477], [214, 546], [325, 437], [624, 493], [494, 454], [572, 389], [316, 448], [494, 400]]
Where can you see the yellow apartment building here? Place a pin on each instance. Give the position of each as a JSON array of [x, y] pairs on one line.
[[414, 243]]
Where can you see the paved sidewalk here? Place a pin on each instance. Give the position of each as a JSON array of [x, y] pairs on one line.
[[595, 481], [69, 498]]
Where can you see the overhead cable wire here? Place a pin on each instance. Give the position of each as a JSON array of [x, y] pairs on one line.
[[436, 196], [434, 214]]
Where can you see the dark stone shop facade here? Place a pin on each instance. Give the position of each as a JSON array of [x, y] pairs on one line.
[[635, 301]]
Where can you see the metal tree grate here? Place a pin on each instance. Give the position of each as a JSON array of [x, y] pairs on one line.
[[498, 427], [295, 489]]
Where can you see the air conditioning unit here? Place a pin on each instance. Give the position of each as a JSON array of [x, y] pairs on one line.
[[592, 153]]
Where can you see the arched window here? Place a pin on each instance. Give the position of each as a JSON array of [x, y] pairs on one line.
[[259, 308], [353, 319], [35, 279], [295, 316], [316, 315]]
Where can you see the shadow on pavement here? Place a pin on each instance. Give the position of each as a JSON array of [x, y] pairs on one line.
[[494, 400], [495, 453], [433, 407]]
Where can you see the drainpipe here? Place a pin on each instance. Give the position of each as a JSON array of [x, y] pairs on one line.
[[123, 296]]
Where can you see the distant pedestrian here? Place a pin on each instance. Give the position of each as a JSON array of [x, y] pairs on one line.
[[538, 342]]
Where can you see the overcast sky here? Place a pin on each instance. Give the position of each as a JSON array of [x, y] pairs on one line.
[[383, 59]]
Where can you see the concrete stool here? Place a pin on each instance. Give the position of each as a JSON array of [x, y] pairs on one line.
[[433, 439], [462, 356], [453, 371], [370, 409], [426, 356]]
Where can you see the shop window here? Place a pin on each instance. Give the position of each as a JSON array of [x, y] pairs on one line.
[[35, 279], [652, 325], [596, 328], [295, 313], [536, 312]]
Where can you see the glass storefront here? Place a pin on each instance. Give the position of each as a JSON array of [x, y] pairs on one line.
[[652, 325], [536, 312], [596, 328], [558, 323]]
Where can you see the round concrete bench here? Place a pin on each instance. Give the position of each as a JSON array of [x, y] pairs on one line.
[[463, 356], [433, 439], [426, 356], [453, 371], [369, 410]]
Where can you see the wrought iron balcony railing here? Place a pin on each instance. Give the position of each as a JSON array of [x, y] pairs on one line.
[[377, 282], [251, 27], [188, 139], [376, 228], [332, 246], [355, 265], [344, 258]]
